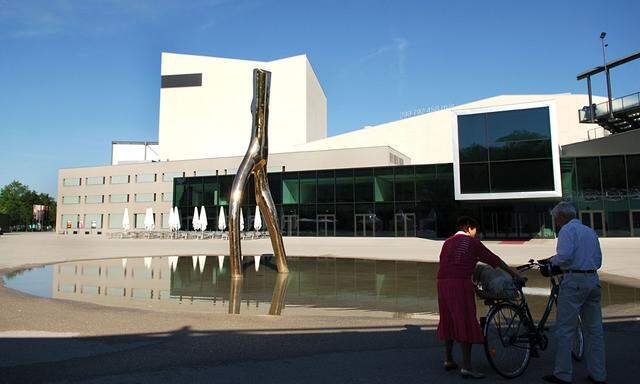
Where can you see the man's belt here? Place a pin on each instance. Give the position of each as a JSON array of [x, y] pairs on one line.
[[581, 271]]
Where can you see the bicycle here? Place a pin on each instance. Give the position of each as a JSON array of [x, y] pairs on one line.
[[511, 336]]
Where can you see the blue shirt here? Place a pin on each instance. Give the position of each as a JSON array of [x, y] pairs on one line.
[[578, 248]]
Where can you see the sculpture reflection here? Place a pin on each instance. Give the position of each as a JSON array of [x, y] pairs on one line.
[[255, 162]]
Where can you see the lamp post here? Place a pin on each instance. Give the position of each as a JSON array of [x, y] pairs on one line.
[[606, 71]]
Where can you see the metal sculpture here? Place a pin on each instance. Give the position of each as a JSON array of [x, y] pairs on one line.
[[255, 162]]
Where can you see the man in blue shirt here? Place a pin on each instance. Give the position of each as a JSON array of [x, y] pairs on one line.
[[579, 256]]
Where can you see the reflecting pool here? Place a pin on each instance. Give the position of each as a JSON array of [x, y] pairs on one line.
[[316, 286]]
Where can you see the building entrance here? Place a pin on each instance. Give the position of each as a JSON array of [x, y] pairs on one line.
[[326, 225], [405, 224], [290, 225], [364, 225], [595, 220]]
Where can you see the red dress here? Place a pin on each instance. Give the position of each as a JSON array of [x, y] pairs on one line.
[[456, 296]]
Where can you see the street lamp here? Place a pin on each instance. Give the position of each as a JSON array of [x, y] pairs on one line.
[[606, 71]]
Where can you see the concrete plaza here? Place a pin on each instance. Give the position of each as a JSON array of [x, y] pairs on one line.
[[46, 340]]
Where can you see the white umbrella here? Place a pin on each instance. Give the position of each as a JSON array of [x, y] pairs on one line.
[[201, 261], [257, 220], [125, 220], [147, 262], [172, 220], [173, 262], [221, 223], [196, 220], [241, 221], [256, 262], [124, 262], [149, 224], [177, 219], [194, 260], [203, 219], [220, 262]]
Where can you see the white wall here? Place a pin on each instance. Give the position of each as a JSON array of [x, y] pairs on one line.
[[427, 139], [214, 120]]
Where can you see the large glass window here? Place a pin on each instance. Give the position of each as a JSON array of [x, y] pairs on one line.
[[383, 184], [308, 184], [344, 185], [614, 181], [93, 220], [120, 198], [210, 191], [498, 151], [145, 197], [139, 220], [404, 184], [167, 197], [363, 182], [70, 199], [326, 187], [197, 193], [70, 221], [93, 199], [71, 181], [120, 179], [425, 182], [146, 178], [588, 175], [290, 188], [115, 220], [95, 180]]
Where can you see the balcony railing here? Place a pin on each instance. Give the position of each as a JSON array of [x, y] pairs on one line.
[[601, 110]]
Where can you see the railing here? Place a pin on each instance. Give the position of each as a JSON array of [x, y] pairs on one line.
[[617, 105]]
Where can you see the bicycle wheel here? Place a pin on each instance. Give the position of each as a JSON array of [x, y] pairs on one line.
[[577, 350], [506, 340]]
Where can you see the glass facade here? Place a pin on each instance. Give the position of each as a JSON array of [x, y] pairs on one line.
[[145, 197], [71, 182], [146, 178], [95, 180], [606, 192], [120, 198], [70, 199], [402, 201], [120, 179], [499, 151], [93, 199]]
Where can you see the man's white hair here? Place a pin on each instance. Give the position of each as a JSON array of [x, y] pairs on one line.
[[564, 210]]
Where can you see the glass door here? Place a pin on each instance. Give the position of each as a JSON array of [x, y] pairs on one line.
[[290, 225], [405, 224], [595, 220], [364, 225], [326, 225]]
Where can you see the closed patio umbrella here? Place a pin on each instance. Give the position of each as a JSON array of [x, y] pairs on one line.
[[125, 220], [194, 260], [147, 262], [176, 214], [196, 220], [201, 261], [257, 220], [203, 219], [173, 262], [221, 221], [149, 223], [172, 220], [124, 262], [220, 262], [256, 262]]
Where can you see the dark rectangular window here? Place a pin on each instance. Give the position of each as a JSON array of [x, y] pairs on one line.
[[178, 81], [493, 145]]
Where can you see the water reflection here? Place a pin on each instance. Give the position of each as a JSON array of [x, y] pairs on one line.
[[315, 286]]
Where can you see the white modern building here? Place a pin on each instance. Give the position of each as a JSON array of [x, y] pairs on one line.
[[476, 150]]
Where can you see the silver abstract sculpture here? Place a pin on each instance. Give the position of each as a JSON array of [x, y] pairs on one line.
[[255, 162]]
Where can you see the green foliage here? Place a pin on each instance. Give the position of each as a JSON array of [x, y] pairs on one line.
[[17, 201]]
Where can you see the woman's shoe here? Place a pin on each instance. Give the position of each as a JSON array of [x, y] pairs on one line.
[[466, 374], [450, 365]]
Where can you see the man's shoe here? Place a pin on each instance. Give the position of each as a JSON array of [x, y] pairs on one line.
[[594, 381], [468, 374], [554, 379]]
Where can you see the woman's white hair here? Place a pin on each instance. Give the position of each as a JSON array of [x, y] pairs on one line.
[[564, 210]]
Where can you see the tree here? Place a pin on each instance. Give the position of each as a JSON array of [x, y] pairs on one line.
[[17, 201]]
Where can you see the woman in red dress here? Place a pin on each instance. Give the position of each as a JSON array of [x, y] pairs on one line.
[[456, 296]]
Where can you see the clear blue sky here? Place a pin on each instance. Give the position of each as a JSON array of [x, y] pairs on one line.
[[75, 75]]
